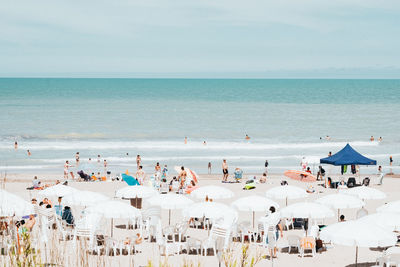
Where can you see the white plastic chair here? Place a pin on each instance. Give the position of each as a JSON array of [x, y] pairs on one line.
[[293, 241]]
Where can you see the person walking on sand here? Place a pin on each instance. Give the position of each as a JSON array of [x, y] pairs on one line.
[[224, 171], [105, 166], [209, 168], [138, 161], [66, 170]]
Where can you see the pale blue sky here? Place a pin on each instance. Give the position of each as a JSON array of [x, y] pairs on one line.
[[211, 38]]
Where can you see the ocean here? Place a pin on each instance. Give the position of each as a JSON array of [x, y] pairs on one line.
[[286, 119]]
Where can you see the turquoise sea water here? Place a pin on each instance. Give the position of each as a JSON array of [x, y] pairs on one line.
[[55, 118]]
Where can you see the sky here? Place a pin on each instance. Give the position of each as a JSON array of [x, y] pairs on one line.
[[202, 38]]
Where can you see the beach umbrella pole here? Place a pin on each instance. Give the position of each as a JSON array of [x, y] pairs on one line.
[[112, 224], [253, 218], [169, 217], [286, 201], [356, 254]]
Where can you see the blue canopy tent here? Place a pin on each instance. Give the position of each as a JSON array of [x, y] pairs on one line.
[[347, 156]]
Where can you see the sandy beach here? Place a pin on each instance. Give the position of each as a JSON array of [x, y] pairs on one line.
[[333, 256]]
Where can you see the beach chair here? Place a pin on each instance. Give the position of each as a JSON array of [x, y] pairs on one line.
[[351, 182], [293, 242], [307, 243], [366, 181], [193, 244]]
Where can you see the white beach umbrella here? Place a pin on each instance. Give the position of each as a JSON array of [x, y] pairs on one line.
[[58, 190], [170, 202], [113, 209], [365, 192], [137, 191], [359, 234], [83, 198], [393, 206], [341, 201], [253, 204], [271, 219], [212, 192], [310, 210], [286, 192], [212, 210], [387, 220], [11, 204]]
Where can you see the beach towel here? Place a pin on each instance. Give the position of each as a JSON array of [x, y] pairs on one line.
[[130, 180]]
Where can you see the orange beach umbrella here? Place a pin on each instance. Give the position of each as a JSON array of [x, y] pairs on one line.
[[300, 176]]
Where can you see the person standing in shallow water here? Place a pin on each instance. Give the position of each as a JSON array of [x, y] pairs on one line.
[[224, 171], [185, 140], [209, 168], [15, 145], [138, 161]]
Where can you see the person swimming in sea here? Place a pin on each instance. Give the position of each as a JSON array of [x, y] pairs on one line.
[[247, 137], [29, 153]]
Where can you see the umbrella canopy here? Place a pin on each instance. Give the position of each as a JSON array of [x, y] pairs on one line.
[[83, 198], [271, 219], [387, 220], [307, 210], [286, 192], [114, 209], [365, 192], [130, 180], [138, 191], [300, 176], [58, 190], [170, 201], [212, 210], [358, 233], [212, 192], [393, 206], [11, 205], [341, 201], [190, 174], [348, 156], [254, 203]]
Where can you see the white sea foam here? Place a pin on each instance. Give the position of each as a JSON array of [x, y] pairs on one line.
[[174, 145]]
